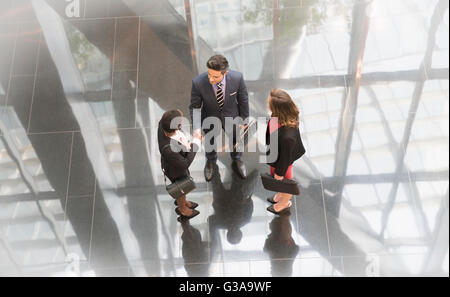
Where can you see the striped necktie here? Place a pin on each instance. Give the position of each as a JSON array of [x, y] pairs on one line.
[[220, 95]]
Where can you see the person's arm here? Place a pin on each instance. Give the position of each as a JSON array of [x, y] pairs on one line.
[[285, 151], [177, 160], [242, 98], [195, 107]]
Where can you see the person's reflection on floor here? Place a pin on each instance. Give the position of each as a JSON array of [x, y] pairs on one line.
[[280, 246], [233, 208], [195, 251]]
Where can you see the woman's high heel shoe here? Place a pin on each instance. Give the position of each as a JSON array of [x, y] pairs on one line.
[[272, 200], [284, 210], [183, 217], [193, 204]]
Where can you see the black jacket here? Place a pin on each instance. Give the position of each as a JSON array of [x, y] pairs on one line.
[[175, 164], [290, 148]]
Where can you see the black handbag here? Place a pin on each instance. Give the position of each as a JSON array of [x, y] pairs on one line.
[[288, 186], [180, 187]]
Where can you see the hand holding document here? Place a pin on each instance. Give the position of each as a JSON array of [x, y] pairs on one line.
[[246, 131], [198, 134]]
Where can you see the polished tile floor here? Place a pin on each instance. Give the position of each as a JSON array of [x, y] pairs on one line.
[[83, 84]]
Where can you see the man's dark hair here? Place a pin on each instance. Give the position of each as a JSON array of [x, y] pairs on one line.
[[218, 63], [167, 119]]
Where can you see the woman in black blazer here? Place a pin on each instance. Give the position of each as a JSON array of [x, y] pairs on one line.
[[177, 154], [284, 123]]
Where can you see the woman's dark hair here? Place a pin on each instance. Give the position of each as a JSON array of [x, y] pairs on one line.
[[218, 63], [167, 119], [284, 108]]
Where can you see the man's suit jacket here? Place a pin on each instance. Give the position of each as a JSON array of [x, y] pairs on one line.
[[175, 164], [236, 98]]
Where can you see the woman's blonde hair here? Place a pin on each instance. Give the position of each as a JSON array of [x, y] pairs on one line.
[[284, 108]]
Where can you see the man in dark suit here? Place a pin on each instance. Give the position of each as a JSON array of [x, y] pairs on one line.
[[221, 93]]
